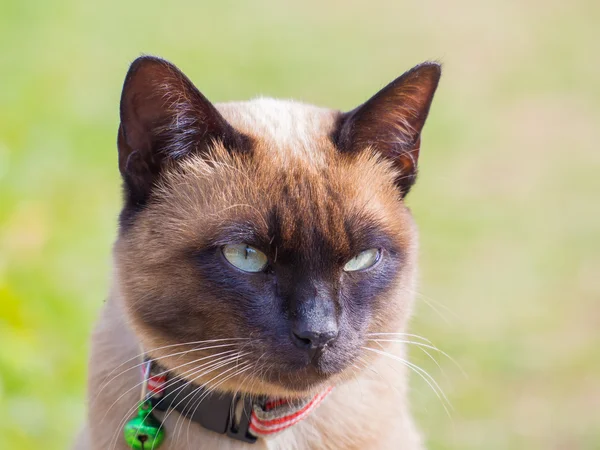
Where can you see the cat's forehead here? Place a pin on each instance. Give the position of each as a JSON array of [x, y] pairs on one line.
[[293, 184], [284, 129], [294, 204]]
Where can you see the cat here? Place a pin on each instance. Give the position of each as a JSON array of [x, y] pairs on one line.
[[270, 239]]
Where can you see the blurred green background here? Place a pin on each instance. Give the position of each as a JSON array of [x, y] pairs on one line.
[[507, 200]]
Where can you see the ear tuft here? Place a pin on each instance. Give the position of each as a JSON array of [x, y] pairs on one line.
[[392, 120]]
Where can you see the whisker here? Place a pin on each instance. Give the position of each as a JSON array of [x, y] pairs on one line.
[[386, 381], [422, 373], [431, 303], [255, 364], [219, 355], [422, 346], [216, 366], [356, 369], [175, 345], [194, 391], [210, 390], [401, 334], [204, 372], [419, 368], [106, 383]]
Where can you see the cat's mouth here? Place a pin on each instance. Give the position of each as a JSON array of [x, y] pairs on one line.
[[300, 372], [303, 379]]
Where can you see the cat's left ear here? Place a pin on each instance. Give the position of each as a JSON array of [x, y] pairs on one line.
[[392, 120]]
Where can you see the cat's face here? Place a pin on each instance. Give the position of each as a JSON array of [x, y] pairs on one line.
[[273, 231]]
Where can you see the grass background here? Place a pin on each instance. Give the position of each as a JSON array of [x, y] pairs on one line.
[[507, 200]]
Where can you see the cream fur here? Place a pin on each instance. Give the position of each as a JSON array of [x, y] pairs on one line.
[[293, 129]]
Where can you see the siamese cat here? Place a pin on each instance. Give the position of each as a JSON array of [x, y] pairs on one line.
[[265, 256]]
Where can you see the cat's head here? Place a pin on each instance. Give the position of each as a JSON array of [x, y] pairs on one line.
[[269, 231]]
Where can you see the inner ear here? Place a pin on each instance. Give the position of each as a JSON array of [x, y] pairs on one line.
[[164, 118], [392, 120]]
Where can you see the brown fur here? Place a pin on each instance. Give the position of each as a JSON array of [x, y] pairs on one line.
[[296, 159]]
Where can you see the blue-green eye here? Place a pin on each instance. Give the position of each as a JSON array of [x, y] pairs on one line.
[[245, 258], [363, 260]]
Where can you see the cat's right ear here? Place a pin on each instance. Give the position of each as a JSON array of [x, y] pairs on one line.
[[163, 118]]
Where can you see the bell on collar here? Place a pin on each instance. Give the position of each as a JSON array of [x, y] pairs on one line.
[[144, 432]]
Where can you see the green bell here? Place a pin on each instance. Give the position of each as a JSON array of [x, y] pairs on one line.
[[144, 432]]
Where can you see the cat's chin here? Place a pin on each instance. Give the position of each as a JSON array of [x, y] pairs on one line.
[[281, 388], [299, 383], [289, 384]]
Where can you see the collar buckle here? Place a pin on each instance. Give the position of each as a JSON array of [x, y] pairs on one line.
[[240, 429]]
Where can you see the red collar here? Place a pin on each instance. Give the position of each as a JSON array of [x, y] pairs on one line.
[[278, 415]]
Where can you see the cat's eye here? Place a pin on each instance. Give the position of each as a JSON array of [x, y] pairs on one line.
[[363, 260], [245, 257]]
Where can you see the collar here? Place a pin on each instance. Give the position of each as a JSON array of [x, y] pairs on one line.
[[236, 415]]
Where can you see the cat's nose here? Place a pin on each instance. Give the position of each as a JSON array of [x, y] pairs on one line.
[[305, 337], [314, 318]]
